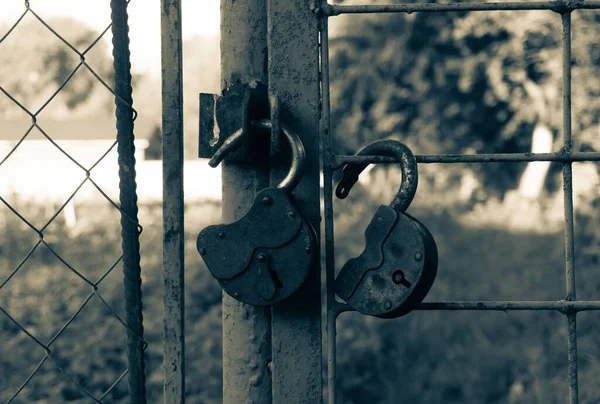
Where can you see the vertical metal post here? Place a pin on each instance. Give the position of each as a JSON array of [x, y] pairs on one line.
[[128, 201], [568, 207], [246, 329], [294, 78], [332, 311], [173, 227]]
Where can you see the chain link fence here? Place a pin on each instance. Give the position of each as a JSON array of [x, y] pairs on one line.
[[21, 329]]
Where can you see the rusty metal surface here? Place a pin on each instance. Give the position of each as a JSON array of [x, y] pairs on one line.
[[227, 249], [424, 280], [297, 158], [408, 166], [216, 120], [558, 6], [173, 223], [326, 139], [562, 306], [371, 258], [397, 268], [222, 116], [396, 283], [255, 107], [273, 274], [275, 109], [338, 161], [568, 211], [246, 329], [265, 256], [294, 77]]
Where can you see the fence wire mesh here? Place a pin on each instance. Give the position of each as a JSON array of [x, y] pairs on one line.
[[131, 229], [569, 306]]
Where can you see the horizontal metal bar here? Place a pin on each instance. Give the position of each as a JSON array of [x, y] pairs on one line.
[[339, 160], [562, 306], [558, 6]]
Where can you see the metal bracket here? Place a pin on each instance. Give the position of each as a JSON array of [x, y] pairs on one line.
[[222, 115]]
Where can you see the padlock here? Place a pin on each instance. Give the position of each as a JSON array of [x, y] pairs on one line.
[[265, 256], [397, 268]]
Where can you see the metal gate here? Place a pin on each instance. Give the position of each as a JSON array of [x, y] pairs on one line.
[[569, 306], [285, 43], [270, 354]]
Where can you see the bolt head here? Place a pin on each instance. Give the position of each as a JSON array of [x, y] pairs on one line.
[[262, 257], [418, 256], [387, 305], [267, 200], [202, 251], [308, 250], [221, 234], [379, 219]]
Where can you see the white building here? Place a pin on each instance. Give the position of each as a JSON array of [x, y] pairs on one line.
[[37, 169]]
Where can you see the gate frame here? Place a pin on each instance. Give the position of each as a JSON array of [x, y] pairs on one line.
[[569, 306], [285, 341]]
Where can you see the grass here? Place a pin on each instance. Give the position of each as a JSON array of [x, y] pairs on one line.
[[425, 357]]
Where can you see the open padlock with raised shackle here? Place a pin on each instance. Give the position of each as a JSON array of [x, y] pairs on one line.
[[397, 268]]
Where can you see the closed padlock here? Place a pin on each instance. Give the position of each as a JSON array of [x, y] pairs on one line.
[[265, 256], [397, 268]]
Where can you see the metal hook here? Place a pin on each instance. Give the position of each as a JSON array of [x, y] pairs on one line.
[[298, 153], [408, 165]]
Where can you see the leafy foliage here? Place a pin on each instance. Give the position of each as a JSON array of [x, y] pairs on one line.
[[34, 63], [461, 82], [433, 357], [44, 294]]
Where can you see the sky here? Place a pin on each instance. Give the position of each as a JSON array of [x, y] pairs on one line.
[[200, 17]]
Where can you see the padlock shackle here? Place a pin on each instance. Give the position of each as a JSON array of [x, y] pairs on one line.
[[298, 159], [388, 148]]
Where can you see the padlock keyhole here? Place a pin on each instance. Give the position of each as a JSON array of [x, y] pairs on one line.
[[399, 279], [276, 279]]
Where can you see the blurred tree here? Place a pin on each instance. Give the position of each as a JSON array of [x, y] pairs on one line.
[[34, 63], [461, 82]]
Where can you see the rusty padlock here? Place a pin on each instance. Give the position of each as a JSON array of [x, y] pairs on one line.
[[397, 268], [266, 255]]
